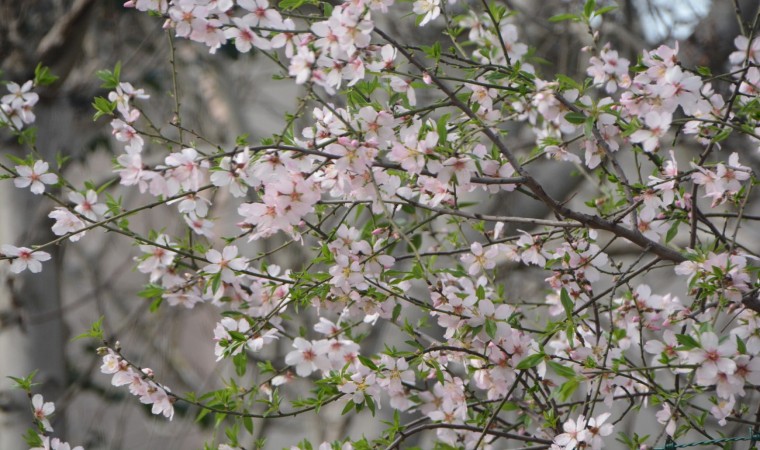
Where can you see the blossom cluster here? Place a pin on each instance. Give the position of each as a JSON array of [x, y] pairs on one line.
[[140, 382], [17, 106], [375, 192], [43, 410]]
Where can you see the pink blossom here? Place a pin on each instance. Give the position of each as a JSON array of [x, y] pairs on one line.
[[430, 8], [42, 410], [87, 205], [36, 176], [226, 263], [712, 357], [666, 417], [24, 258], [157, 259], [20, 95], [307, 357], [657, 124], [575, 432], [67, 222], [479, 259]]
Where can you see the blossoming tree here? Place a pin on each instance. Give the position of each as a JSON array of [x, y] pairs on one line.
[[378, 179]]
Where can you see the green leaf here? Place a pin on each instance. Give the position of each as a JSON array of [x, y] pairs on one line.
[[563, 17], [370, 404], [95, 331], [672, 232], [26, 383], [568, 388], [588, 8], [32, 438], [43, 76], [723, 135], [442, 127], [348, 408], [491, 328], [604, 10], [216, 281], [291, 4], [151, 291], [367, 362], [559, 369], [396, 312], [575, 118], [241, 363], [248, 424], [103, 107], [567, 302], [416, 242], [741, 346], [531, 361], [155, 304], [110, 79], [27, 136], [687, 342]]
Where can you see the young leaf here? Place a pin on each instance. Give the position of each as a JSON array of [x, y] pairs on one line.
[[531, 361]]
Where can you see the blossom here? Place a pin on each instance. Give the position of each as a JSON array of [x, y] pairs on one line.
[[124, 132], [580, 433], [597, 429], [262, 15], [308, 356], [531, 249], [140, 383], [42, 410], [609, 69], [244, 37], [396, 372], [37, 176], [560, 153], [362, 383], [301, 64], [67, 222], [723, 409], [24, 258], [712, 357], [199, 225], [430, 8], [158, 259], [574, 433], [666, 417], [20, 95], [45, 443], [234, 172], [515, 50], [745, 49], [479, 259], [657, 124], [87, 204], [185, 170], [162, 403], [225, 263], [16, 107], [57, 444]]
